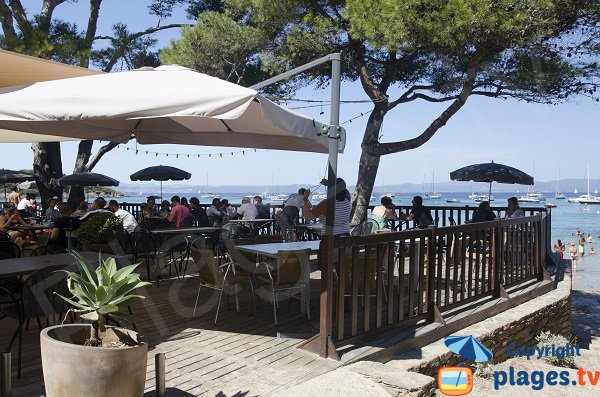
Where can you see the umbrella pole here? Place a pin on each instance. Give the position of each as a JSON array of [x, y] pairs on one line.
[[5, 199], [161, 191], [490, 194]]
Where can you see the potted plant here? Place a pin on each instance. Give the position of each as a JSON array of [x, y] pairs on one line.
[[98, 230], [94, 359]]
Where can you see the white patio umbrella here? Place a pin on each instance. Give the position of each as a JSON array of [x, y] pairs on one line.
[[169, 104]]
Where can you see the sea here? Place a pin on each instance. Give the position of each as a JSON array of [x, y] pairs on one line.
[[567, 218]]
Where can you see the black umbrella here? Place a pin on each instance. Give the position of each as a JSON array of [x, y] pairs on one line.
[[11, 176], [491, 172], [87, 179], [160, 173]]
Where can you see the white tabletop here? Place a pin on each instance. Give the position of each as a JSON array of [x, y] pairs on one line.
[[251, 220], [272, 249], [177, 230]]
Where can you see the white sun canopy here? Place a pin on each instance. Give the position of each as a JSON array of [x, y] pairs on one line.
[[169, 104]]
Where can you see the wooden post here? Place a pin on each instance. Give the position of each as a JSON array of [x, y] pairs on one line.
[[497, 259], [322, 343], [5, 375], [159, 372], [538, 248], [431, 250]]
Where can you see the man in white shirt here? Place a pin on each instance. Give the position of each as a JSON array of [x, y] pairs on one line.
[[129, 222], [247, 210]]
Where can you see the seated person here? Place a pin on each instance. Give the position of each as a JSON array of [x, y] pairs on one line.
[[246, 211], [51, 212], [25, 206], [199, 213], [61, 224], [151, 209], [82, 209], [180, 215], [383, 213], [227, 209], [99, 205], [11, 218], [419, 214], [513, 210], [483, 214], [165, 209], [129, 222], [215, 216]]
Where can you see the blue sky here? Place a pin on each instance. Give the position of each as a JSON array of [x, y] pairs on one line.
[[506, 131]]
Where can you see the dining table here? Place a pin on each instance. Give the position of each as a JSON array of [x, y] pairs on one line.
[[17, 267], [271, 250]]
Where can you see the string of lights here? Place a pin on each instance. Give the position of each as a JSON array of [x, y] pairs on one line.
[[139, 150]]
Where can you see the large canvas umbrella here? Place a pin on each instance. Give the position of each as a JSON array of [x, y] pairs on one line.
[[87, 179], [491, 172], [160, 173], [168, 104], [11, 176]]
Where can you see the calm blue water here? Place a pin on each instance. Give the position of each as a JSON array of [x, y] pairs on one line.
[[566, 218]]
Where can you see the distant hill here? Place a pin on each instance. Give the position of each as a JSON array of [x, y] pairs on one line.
[[566, 185]]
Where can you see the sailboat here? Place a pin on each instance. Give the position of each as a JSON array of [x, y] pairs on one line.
[[573, 199], [205, 194], [588, 198], [390, 195], [532, 197], [558, 195], [433, 195]]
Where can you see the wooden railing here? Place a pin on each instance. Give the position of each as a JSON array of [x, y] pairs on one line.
[[396, 279]]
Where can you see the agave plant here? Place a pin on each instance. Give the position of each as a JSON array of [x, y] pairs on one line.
[[100, 292]]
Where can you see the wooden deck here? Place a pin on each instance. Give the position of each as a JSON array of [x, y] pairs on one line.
[[241, 355]]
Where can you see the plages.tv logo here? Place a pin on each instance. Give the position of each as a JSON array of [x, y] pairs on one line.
[[458, 381]]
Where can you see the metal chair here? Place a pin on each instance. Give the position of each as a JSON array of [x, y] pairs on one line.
[[290, 272], [37, 299], [218, 277], [143, 247], [48, 250], [10, 249]]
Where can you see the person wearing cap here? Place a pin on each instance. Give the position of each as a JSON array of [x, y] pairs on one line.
[[129, 222], [341, 220], [51, 212], [180, 215], [11, 218]]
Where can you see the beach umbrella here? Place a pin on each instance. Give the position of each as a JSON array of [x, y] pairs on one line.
[[11, 176], [160, 173], [27, 185], [491, 172], [468, 347], [87, 179]]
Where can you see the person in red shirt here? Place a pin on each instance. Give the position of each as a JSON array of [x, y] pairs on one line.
[[180, 215]]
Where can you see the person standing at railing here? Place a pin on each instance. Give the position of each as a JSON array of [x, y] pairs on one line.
[[513, 210], [341, 220]]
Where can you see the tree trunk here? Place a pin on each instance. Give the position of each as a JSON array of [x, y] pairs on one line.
[[47, 168], [368, 166], [77, 193]]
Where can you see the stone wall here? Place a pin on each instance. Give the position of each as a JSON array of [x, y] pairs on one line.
[[519, 325]]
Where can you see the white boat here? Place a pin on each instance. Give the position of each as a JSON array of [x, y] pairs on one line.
[[473, 196], [209, 194], [484, 197], [433, 195], [453, 200], [318, 197], [277, 197], [527, 199], [558, 195], [588, 198], [390, 195]]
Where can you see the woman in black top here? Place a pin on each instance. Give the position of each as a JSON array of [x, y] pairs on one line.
[[61, 224]]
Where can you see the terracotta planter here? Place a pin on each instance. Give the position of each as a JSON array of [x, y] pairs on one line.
[[74, 370]]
